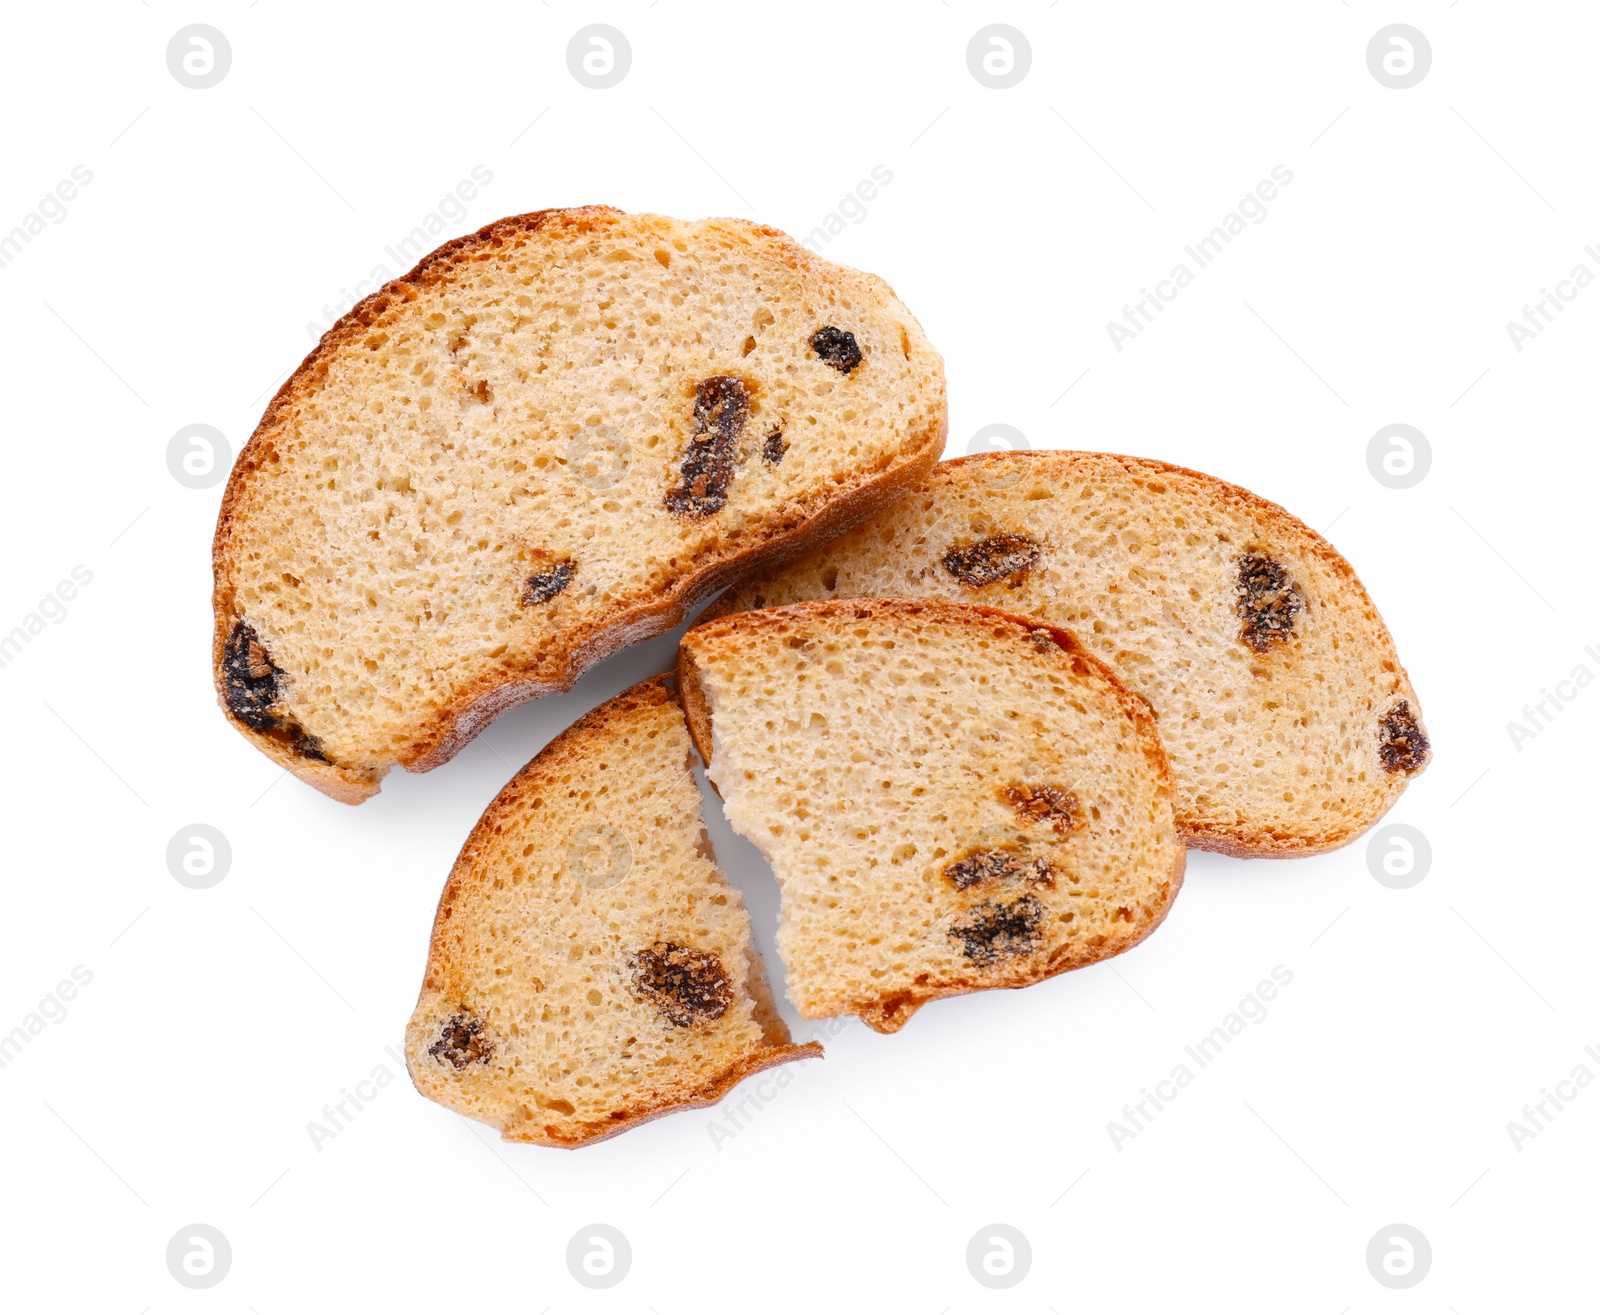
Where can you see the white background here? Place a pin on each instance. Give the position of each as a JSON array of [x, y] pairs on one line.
[[178, 290]]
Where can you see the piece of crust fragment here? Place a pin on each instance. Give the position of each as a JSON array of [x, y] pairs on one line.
[[590, 968], [1290, 723], [550, 439], [952, 798]]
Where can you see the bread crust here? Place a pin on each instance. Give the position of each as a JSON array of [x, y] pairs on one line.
[[1221, 838], [473, 709], [890, 1014], [567, 747]]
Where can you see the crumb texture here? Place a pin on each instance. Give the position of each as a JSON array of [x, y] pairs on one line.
[[534, 447], [1289, 722], [590, 967], [948, 803]]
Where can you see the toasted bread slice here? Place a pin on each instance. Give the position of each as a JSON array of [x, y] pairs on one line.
[[590, 968], [1290, 723], [952, 798], [548, 440]]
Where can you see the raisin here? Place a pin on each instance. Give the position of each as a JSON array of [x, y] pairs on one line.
[[461, 1042], [836, 347], [773, 449], [999, 865], [251, 684], [1046, 803], [542, 586], [721, 406], [1402, 746], [992, 931], [309, 746], [987, 865], [685, 986], [992, 559], [250, 680], [1267, 602]]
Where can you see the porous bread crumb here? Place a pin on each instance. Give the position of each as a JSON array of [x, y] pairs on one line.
[[869, 748], [590, 967], [1267, 666], [463, 497]]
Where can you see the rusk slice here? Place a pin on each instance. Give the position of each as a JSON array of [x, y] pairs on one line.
[[952, 798], [590, 968], [1289, 722], [548, 440]]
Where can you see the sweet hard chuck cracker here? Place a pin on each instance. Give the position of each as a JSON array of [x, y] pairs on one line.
[[548, 440], [952, 798], [590, 968], [1289, 722]]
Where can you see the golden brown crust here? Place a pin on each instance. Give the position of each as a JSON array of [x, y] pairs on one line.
[[891, 1014], [476, 706], [707, 1096], [1217, 837], [696, 710], [566, 749]]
